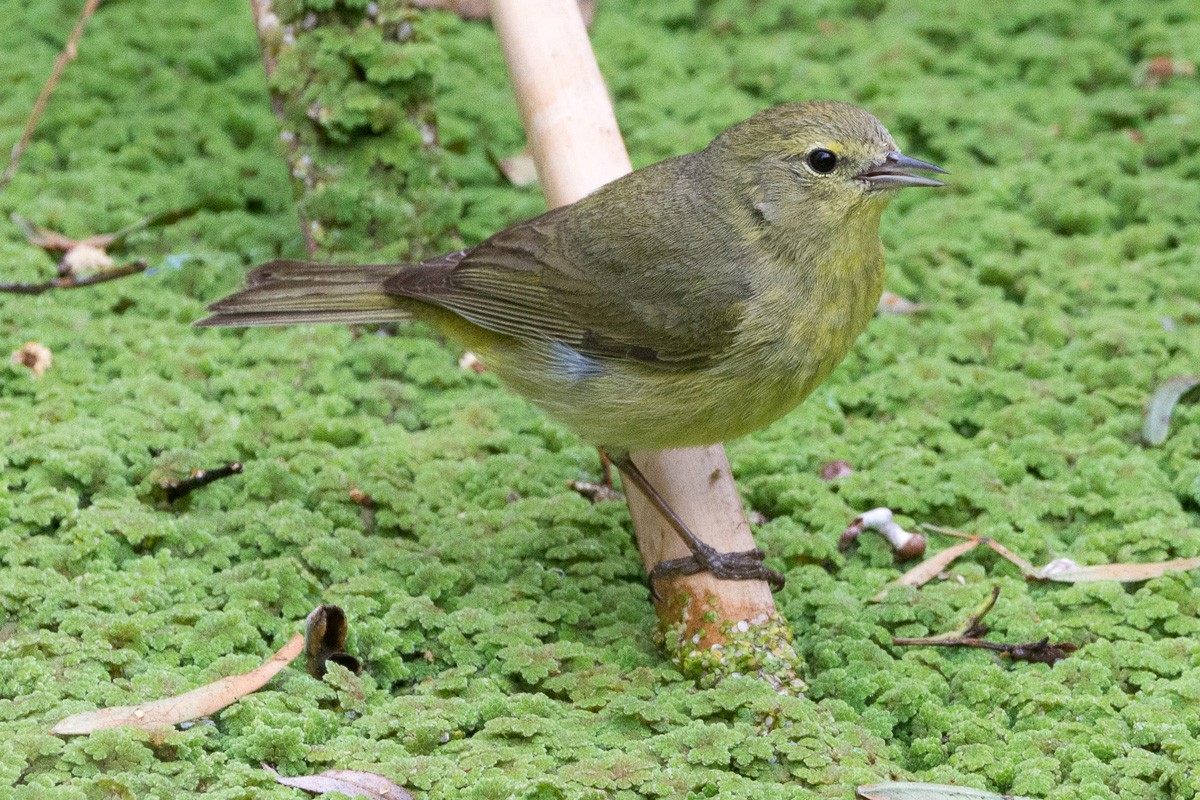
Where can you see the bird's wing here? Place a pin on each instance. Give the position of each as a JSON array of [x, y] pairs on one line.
[[669, 295]]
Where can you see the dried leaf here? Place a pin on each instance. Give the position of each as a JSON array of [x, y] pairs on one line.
[[832, 470], [325, 640], [1067, 571], [1158, 413], [190, 705], [907, 545], [350, 782], [33, 355], [85, 259], [902, 790], [929, 568]]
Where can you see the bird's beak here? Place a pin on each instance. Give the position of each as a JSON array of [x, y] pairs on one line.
[[895, 172]]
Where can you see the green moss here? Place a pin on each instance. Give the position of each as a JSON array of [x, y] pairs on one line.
[[504, 622]]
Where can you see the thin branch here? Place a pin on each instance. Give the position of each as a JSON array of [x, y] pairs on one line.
[[176, 490], [73, 282], [67, 55], [971, 632]]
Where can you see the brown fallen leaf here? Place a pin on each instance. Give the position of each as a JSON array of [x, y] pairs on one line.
[[172, 710], [1157, 71], [1065, 570], [34, 356], [325, 641], [350, 782], [928, 569]]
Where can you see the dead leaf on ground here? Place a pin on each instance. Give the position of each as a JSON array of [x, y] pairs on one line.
[[1158, 413], [350, 782], [1065, 570], [1157, 71], [907, 545], [903, 790], [171, 711], [36, 357], [928, 569], [325, 641], [594, 492]]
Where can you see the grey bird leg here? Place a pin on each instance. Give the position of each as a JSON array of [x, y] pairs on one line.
[[744, 566]]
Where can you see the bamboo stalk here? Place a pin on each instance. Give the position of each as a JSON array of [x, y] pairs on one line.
[[577, 146]]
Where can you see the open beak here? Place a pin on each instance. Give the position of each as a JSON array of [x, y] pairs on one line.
[[896, 171]]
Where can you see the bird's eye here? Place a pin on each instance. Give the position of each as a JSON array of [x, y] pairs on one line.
[[822, 161]]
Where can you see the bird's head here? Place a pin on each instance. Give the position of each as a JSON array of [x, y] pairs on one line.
[[820, 161]]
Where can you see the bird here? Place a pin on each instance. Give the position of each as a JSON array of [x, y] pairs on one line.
[[686, 303]]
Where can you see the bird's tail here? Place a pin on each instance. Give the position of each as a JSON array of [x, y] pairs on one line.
[[287, 292]]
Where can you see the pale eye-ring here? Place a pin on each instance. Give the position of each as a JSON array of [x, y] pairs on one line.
[[822, 161]]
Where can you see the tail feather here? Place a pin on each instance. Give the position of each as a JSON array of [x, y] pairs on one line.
[[288, 292]]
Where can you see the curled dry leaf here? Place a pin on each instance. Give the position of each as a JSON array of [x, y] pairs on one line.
[[34, 356], [173, 710], [472, 362], [929, 568], [903, 790], [325, 641], [350, 782], [907, 545], [85, 259], [1158, 414]]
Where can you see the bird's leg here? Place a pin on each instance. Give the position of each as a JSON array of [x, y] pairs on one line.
[[743, 566]]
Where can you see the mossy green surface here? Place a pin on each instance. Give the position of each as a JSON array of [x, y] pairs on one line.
[[503, 621]]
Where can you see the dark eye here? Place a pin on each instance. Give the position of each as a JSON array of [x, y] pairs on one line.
[[822, 161]]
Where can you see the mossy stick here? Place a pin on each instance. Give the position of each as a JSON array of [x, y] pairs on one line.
[[577, 146]]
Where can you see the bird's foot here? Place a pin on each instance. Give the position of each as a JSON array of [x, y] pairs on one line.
[[741, 566]]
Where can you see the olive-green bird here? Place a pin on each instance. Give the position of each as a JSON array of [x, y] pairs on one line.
[[686, 303]]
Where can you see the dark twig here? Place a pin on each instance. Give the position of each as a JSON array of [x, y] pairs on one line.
[[200, 477], [971, 633], [69, 51], [73, 282]]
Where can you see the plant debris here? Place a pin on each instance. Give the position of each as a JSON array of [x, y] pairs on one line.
[[325, 641], [171, 711], [832, 470], [34, 356], [907, 545], [66, 56], [1157, 421], [350, 782], [73, 282], [178, 489], [971, 635], [595, 492]]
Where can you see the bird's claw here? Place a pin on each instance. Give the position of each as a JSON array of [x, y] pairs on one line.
[[741, 566]]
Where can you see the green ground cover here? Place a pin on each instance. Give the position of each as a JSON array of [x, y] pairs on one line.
[[503, 621]]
